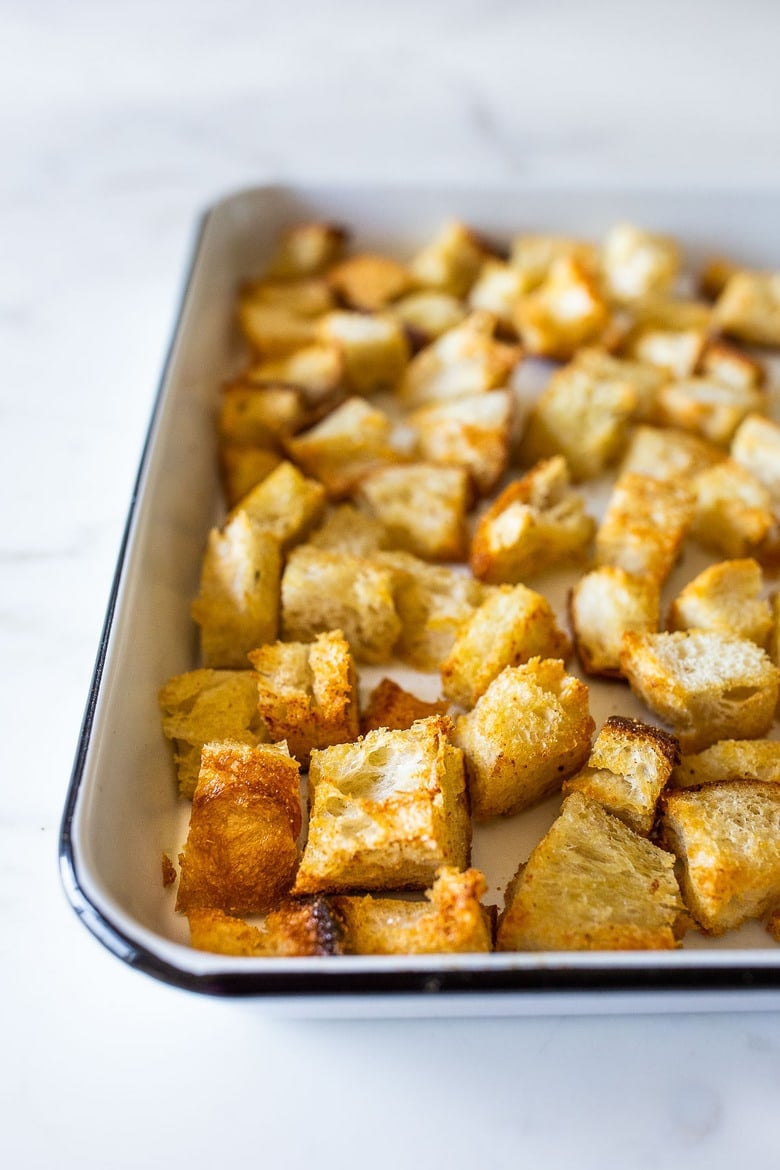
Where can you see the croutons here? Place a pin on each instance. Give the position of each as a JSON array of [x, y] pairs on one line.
[[644, 380], [497, 290], [669, 334], [707, 686], [565, 312], [306, 692], [285, 504], [373, 346], [451, 261], [298, 927], [603, 605], [726, 598], [756, 447], [711, 409], [422, 507], [450, 921], [730, 366], [637, 264], [309, 296], [386, 812], [535, 522], [237, 607], [774, 633], [727, 838], [465, 360], [324, 591], [241, 850], [511, 626], [644, 525], [274, 330], [204, 705], [426, 315], [395, 709], [733, 512], [352, 440], [317, 371], [346, 529], [664, 453], [471, 432], [242, 468], [306, 250], [258, 416], [534, 255], [749, 308], [629, 766], [591, 884], [528, 732], [730, 759], [369, 281]]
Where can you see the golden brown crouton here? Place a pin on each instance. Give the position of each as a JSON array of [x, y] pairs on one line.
[[528, 732], [369, 281], [637, 264], [373, 346], [258, 416], [733, 513], [774, 633], [464, 360], [386, 812], [274, 331], [205, 705], [471, 432], [306, 250], [715, 275], [323, 591], [427, 314], [726, 598], [706, 686], [565, 312], [591, 884], [511, 626], [497, 290], [242, 468], [629, 766], [535, 522], [645, 380], [352, 440], [730, 759], [644, 525], [306, 693], [756, 447], [668, 334], [534, 255], [727, 837], [667, 454], [298, 927], [317, 370], [603, 605], [308, 296], [392, 707], [422, 507], [347, 529], [749, 308], [451, 261], [450, 921], [241, 850], [731, 366], [237, 607], [285, 504], [711, 409]]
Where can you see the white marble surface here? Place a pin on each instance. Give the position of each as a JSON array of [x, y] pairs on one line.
[[118, 122]]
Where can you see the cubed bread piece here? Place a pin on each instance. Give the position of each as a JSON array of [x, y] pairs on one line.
[[308, 296], [286, 504], [497, 290], [317, 370], [603, 605], [749, 308], [629, 766], [667, 454], [347, 529], [450, 921], [727, 839], [369, 281], [669, 334], [352, 440], [733, 512], [306, 692], [258, 416], [583, 416], [707, 686], [591, 884], [725, 597], [299, 927], [534, 255], [774, 633], [711, 409], [731, 366], [324, 590], [730, 759], [373, 346], [451, 261], [565, 312], [307, 250], [511, 626], [242, 468], [644, 379], [756, 447], [241, 850], [644, 525], [237, 607], [636, 263], [273, 331], [392, 707], [528, 732], [422, 507], [427, 314], [464, 360], [715, 275], [386, 812], [537, 521], [471, 432], [433, 601], [204, 705]]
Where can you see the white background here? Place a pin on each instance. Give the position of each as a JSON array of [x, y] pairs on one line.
[[118, 123]]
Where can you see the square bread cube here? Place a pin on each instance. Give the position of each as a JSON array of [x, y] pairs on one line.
[[733, 510], [324, 591], [307, 250], [349, 530], [756, 447], [299, 927], [451, 260], [373, 347], [711, 409], [637, 263], [528, 732], [369, 281], [308, 296], [666, 454], [603, 605], [535, 522], [204, 705], [644, 525], [274, 330], [285, 504], [727, 838], [749, 308], [706, 686], [730, 759], [422, 507], [591, 884], [352, 440], [395, 709], [242, 468], [237, 607], [258, 416], [533, 255], [725, 597], [511, 626], [565, 312], [472, 433], [425, 315], [386, 812], [241, 849], [645, 380], [669, 334], [306, 692], [497, 290], [629, 766], [463, 361], [731, 366], [450, 921], [316, 370]]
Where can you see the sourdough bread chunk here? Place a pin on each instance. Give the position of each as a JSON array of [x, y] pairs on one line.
[[463, 361], [566, 311], [733, 512], [297, 928], [324, 591], [709, 408], [386, 812], [749, 308], [472, 433], [629, 766], [726, 598], [238, 604], [395, 709], [528, 732], [636, 263], [730, 759], [603, 606], [307, 250], [707, 686], [727, 839], [756, 447], [450, 921], [241, 851], [306, 692], [511, 626], [450, 261], [346, 529], [644, 526], [286, 504], [373, 347], [591, 884], [668, 454], [422, 508], [352, 440], [204, 705]]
